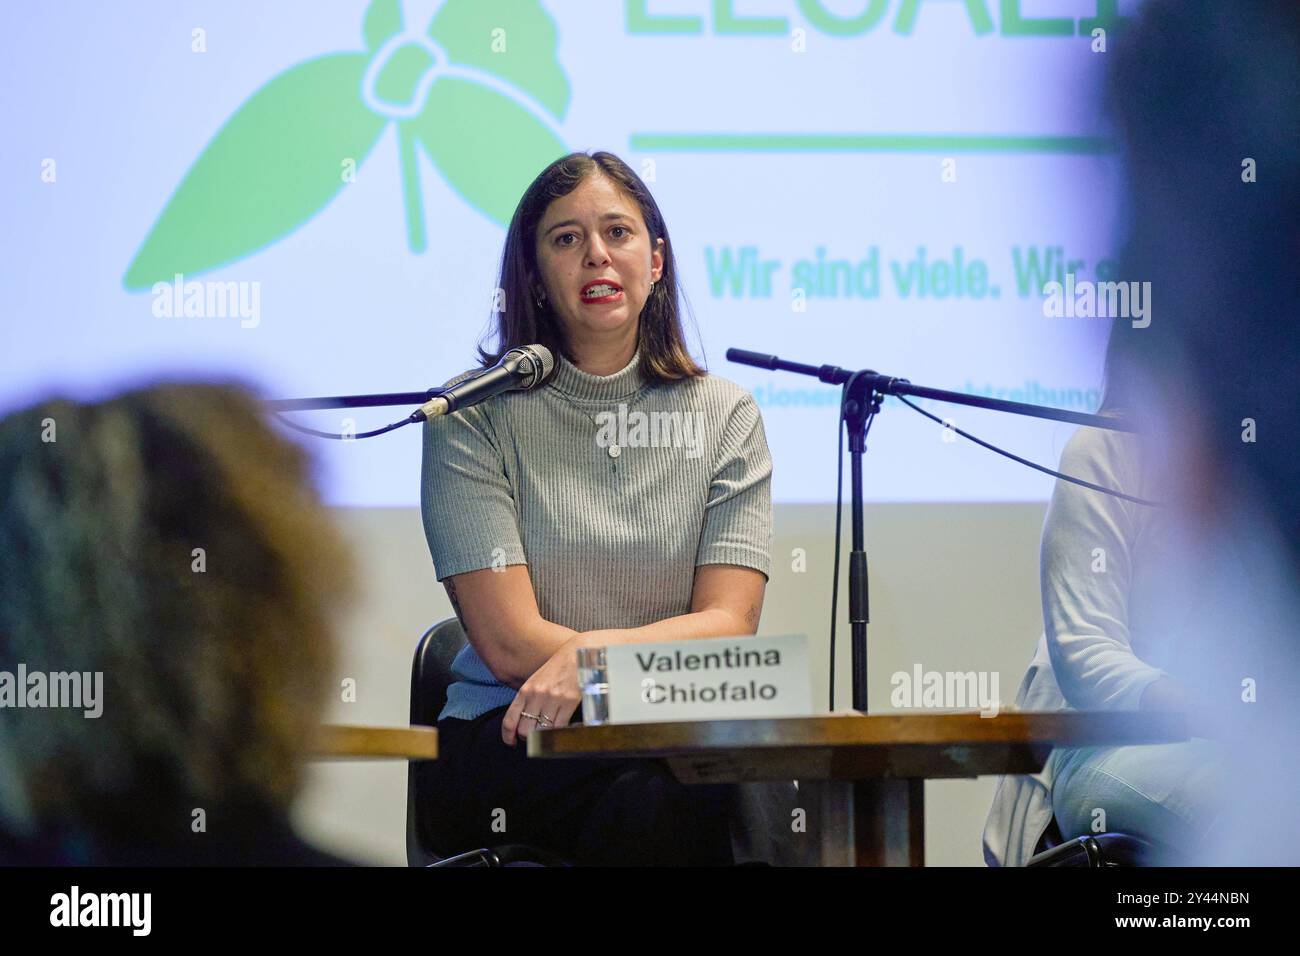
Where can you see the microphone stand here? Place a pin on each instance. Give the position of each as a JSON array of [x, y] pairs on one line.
[[862, 395], [533, 362], [278, 406], [353, 401]]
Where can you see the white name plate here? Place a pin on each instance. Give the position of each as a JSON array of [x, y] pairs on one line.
[[709, 679]]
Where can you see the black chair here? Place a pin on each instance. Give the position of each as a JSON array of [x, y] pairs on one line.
[[430, 678], [1098, 850]]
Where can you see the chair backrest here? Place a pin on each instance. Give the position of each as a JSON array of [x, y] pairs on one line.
[[431, 670], [430, 678]]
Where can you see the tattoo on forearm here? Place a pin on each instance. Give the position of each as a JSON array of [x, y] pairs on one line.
[[455, 604], [751, 617]]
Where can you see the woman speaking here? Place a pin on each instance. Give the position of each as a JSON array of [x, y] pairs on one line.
[[549, 535]]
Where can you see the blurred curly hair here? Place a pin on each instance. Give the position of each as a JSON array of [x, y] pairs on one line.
[[214, 663]]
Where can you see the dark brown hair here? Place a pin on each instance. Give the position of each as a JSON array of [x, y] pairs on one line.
[[517, 318]]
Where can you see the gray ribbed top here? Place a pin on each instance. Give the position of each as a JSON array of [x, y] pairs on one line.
[[610, 542]]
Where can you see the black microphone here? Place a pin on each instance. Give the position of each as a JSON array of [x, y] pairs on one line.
[[523, 368], [756, 359]]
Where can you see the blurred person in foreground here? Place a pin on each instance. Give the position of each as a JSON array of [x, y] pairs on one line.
[[169, 541], [1207, 101], [1198, 610]]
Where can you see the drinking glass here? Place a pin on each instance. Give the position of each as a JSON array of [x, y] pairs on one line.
[[594, 682]]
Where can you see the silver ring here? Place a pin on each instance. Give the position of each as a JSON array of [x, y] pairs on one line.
[[524, 713]]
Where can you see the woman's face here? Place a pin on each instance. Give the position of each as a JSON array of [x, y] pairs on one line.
[[596, 233]]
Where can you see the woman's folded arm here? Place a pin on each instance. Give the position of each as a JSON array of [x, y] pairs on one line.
[[499, 613]]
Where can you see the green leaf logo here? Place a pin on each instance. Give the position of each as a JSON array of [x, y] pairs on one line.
[[481, 93]]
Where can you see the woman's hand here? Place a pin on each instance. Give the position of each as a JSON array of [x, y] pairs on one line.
[[551, 692]]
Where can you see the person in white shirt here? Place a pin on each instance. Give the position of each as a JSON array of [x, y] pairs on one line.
[[1109, 643], [1198, 606]]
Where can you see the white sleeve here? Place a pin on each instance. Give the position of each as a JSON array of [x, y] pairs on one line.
[[1086, 571]]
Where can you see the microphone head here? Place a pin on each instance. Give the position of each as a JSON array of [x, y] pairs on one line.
[[534, 362]]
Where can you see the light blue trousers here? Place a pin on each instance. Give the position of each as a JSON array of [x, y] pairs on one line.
[[1171, 794]]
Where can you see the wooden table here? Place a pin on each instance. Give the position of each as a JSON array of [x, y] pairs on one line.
[[376, 743], [864, 775]]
